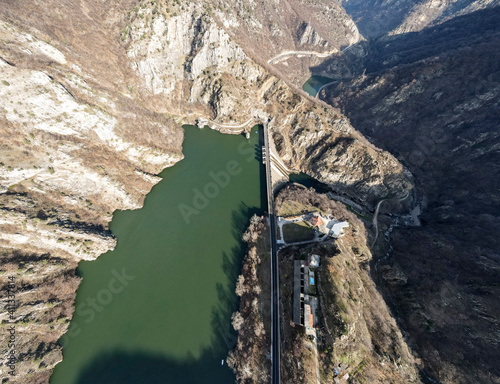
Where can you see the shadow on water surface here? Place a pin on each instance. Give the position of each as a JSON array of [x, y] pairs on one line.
[[137, 368], [122, 367]]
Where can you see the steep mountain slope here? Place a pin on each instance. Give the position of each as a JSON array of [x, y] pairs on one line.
[[69, 158], [375, 18], [358, 339], [431, 98], [92, 97], [285, 38]]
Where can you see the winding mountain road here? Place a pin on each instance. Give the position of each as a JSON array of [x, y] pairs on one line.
[[375, 216], [295, 53], [236, 126], [324, 86]]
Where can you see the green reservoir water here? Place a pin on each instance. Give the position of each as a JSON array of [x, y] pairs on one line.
[[157, 309], [314, 83], [309, 182]]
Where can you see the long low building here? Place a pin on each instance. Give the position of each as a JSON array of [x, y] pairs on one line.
[[305, 304]]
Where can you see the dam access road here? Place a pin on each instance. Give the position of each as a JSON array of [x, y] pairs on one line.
[[275, 313]]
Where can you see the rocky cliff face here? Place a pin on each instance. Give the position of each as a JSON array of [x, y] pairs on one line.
[[284, 38], [377, 18], [268, 29], [335, 154], [92, 95], [432, 100]]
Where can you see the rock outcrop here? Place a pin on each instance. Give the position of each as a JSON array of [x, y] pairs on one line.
[[431, 99], [92, 98], [377, 18]]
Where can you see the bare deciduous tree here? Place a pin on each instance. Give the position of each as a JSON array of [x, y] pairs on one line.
[[237, 321]]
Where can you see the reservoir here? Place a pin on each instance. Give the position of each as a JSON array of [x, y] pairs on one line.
[[157, 309], [309, 182], [314, 83]]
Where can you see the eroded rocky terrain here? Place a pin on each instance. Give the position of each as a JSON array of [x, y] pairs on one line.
[[432, 100], [377, 18], [93, 96]]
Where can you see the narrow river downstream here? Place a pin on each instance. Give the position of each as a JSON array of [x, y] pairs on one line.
[[157, 309]]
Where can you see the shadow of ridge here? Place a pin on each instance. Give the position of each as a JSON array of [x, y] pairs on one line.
[[139, 368], [384, 52]]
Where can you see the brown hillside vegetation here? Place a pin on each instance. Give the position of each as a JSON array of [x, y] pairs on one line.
[[357, 335], [431, 98]]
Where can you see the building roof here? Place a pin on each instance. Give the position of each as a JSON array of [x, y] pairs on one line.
[[338, 227], [314, 261], [308, 316], [317, 221]]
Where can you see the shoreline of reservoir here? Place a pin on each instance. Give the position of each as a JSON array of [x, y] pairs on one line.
[[169, 317]]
